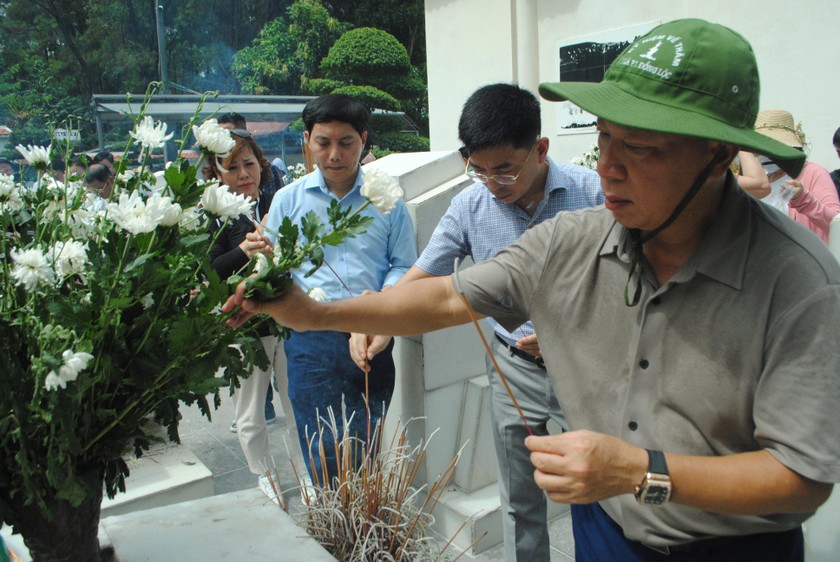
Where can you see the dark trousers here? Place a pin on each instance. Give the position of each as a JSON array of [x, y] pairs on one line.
[[321, 376], [599, 539]]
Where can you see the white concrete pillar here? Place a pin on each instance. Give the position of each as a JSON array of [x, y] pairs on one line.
[[834, 237], [526, 69]]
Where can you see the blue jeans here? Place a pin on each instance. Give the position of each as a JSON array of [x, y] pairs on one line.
[[599, 539], [321, 376]]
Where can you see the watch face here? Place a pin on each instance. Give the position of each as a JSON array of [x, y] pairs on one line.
[[656, 494]]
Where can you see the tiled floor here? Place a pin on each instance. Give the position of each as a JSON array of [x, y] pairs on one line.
[[218, 448]]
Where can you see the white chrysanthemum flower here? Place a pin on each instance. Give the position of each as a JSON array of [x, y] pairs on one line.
[[69, 257], [260, 263], [122, 178], [318, 294], [381, 190], [212, 137], [51, 185], [82, 221], [162, 205], [150, 134], [37, 156], [191, 219], [7, 186], [132, 214], [160, 181], [53, 382], [31, 268], [87, 299], [52, 210], [10, 199], [74, 363], [218, 201], [147, 301]]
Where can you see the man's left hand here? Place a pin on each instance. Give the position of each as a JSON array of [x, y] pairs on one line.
[[584, 466], [530, 345]]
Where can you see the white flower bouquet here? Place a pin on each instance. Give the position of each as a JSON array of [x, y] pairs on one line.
[[101, 328], [589, 159], [296, 245]]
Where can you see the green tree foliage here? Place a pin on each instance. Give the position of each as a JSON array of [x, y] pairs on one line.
[[284, 56], [266, 66], [373, 97], [375, 59], [370, 56], [55, 54], [404, 19]]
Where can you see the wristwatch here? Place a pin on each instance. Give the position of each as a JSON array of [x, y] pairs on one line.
[[655, 488]]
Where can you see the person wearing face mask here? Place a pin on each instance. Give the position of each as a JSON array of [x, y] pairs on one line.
[[246, 171]]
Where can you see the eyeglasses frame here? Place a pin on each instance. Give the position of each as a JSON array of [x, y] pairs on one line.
[[501, 179]]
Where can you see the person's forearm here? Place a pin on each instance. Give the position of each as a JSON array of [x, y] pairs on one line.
[[752, 483], [420, 306], [753, 179], [413, 274]]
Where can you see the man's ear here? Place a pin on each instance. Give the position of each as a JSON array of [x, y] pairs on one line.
[[306, 137], [724, 155], [364, 139], [542, 149]]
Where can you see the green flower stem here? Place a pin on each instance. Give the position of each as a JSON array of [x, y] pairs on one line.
[[133, 405], [117, 277]]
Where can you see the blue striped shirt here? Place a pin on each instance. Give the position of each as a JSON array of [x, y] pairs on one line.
[[372, 260], [478, 225]]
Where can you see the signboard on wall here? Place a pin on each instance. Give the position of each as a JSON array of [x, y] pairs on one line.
[[586, 59]]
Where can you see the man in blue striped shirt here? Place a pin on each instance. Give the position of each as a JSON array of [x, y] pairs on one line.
[[322, 374], [517, 186]]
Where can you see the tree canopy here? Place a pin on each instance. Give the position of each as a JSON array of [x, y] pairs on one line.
[[55, 54]]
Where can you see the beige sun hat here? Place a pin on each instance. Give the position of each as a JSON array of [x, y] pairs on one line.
[[778, 124]]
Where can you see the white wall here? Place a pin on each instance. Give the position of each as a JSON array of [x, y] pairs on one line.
[[476, 42]]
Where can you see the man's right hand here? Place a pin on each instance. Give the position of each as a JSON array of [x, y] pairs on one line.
[[363, 348], [295, 309]]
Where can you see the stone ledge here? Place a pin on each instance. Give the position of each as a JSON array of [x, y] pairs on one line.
[[241, 525]]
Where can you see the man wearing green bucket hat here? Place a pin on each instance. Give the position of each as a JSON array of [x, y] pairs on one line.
[[682, 324]]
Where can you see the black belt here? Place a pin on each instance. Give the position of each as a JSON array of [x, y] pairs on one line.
[[538, 361], [696, 547], [708, 546]]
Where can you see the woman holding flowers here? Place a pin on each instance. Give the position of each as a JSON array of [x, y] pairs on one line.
[[245, 171]]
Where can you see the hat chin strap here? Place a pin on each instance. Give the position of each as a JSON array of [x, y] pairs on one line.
[[639, 239]]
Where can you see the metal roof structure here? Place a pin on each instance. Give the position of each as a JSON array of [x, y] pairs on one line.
[[111, 108], [178, 109]]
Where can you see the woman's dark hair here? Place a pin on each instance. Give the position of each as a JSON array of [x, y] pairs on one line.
[[837, 137], [104, 155], [210, 168], [98, 172]]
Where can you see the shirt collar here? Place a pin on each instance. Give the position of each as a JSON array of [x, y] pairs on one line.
[[555, 180], [316, 181]]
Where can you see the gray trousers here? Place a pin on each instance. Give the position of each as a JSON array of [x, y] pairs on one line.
[[523, 504]]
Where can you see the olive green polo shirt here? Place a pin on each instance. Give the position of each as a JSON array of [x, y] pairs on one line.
[[738, 352]]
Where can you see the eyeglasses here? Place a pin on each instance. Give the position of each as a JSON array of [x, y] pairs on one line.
[[241, 133], [504, 179]]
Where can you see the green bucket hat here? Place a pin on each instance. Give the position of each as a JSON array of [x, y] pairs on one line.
[[686, 77]]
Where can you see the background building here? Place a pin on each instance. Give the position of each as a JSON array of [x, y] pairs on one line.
[[471, 43]]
